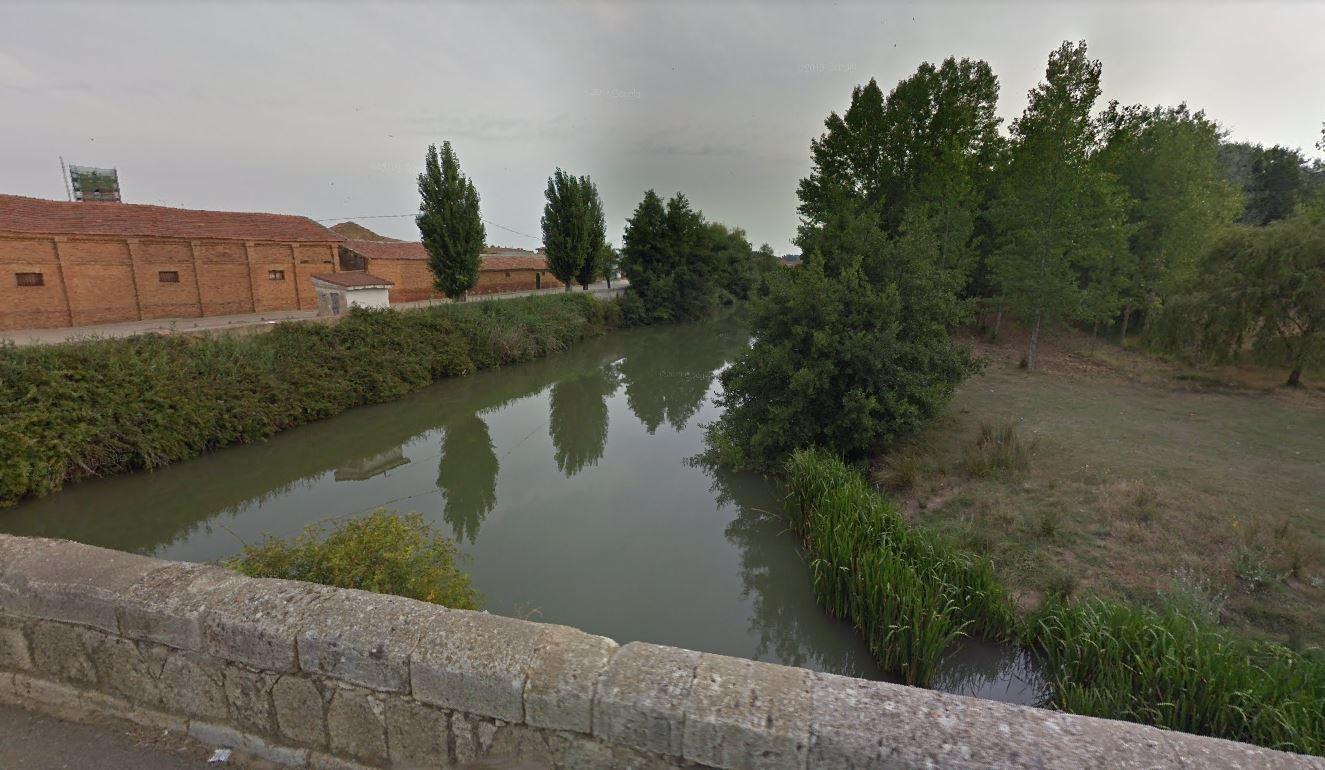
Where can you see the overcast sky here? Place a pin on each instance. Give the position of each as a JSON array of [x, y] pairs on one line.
[[326, 109]]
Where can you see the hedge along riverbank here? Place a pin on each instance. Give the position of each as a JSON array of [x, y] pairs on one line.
[[103, 407], [912, 594]]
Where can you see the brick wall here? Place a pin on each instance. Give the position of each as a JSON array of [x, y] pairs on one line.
[[89, 281], [413, 279], [31, 306]]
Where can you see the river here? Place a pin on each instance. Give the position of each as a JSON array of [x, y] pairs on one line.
[[567, 482]]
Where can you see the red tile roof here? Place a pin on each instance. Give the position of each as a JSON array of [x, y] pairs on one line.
[[36, 216], [493, 259], [352, 279]]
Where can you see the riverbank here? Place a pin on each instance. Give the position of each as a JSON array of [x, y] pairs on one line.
[[104, 407], [1144, 481], [912, 593]]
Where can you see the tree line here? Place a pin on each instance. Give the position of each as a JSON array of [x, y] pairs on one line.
[[920, 213], [678, 263]]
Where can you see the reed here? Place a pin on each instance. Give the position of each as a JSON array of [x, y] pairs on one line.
[[910, 593], [1167, 669]]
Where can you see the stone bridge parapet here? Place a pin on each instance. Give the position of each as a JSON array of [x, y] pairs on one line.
[[310, 676]]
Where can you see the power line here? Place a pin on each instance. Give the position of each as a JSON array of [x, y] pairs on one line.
[[397, 216]]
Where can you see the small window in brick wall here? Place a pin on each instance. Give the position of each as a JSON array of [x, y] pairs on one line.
[[276, 275], [168, 276], [30, 279], [508, 273]]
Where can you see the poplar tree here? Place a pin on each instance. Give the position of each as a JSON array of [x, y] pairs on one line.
[[573, 228], [449, 223], [1058, 214]]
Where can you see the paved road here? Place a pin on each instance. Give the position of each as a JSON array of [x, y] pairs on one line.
[[32, 742], [212, 323]]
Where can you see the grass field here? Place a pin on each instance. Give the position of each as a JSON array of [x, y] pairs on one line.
[[1132, 477]]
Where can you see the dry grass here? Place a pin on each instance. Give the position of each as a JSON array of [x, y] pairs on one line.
[[1143, 470]]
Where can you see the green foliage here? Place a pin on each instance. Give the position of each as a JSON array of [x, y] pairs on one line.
[[930, 146], [1259, 289], [1171, 670], [380, 552], [671, 259], [1058, 214], [450, 223], [1167, 161], [1274, 181], [909, 592], [851, 351], [573, 229], [110, 406]]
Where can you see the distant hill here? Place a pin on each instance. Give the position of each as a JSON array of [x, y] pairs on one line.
[[356, 231]]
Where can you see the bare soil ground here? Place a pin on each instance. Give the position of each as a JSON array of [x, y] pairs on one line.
[[1146, 480]]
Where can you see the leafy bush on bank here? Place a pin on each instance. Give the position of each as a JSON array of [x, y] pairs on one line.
[[911, 594], [381, 552], [102, 407]]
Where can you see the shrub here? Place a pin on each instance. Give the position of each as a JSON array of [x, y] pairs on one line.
[[837, 362], [381, 552], [110, 406]]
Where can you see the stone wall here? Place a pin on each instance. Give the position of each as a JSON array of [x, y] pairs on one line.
[[306, 675]]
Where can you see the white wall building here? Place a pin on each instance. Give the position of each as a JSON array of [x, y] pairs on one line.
[[338, 292]]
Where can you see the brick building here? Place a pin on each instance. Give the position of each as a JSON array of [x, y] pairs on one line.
[[405, 264], [74, 264]]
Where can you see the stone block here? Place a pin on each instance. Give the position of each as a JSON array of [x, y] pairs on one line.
[[743, 713], [416, 734], [253, 745], [562, 678], [642, 696], [70, 582], [356, 724], [475, 663], [14, 651], [299, 710], [125, 671], [63, 652], [256, 621], [366, 639], [249, 695], [167, 605], [193, 685]]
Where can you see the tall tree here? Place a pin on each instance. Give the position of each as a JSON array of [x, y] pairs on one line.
[[670, 260], [1058, 214], [573, 228], [449, 223], [1167, 161], [931, 143]]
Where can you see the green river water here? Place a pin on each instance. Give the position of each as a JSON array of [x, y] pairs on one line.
[[567, 481]]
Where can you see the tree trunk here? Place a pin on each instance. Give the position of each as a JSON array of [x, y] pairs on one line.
[[1035, 342], [1295, 377], [568, 286], [1127, 316], [998, 319], [608, 278]]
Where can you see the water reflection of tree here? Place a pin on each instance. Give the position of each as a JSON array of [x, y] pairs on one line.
[[577, 422], [791, 627], [468, 474], [667, 375]]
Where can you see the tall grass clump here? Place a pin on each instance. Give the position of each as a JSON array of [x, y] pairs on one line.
[[1167, 669], [999, 450], [102, 407], [909, 592], [381, 552]]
